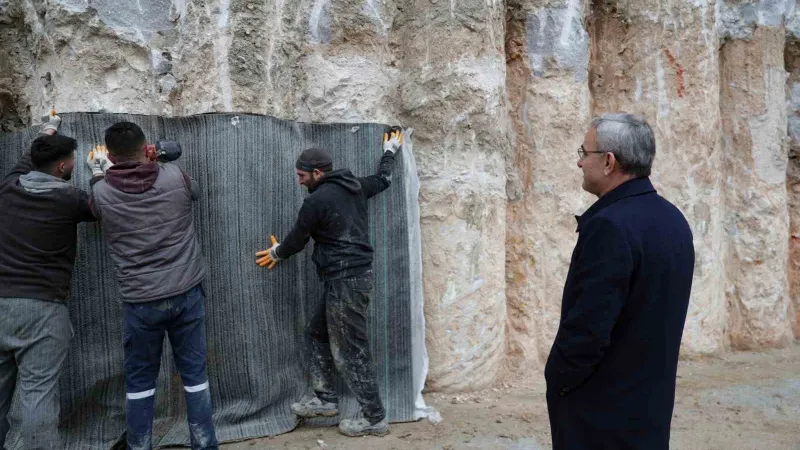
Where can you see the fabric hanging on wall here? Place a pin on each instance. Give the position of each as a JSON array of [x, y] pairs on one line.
[[255, 318]]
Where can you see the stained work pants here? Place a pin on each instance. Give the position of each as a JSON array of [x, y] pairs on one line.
[[337, 333]]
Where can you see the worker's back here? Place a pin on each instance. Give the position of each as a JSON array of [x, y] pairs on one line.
[[341, 234], [38, 233], [146, 212]]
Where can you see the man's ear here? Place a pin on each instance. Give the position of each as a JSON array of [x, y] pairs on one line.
[[318, 174], [610, 163]]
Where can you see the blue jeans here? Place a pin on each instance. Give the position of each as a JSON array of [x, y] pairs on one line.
[[183, 319]]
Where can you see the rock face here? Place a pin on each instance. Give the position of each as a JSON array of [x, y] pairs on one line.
[[662, 62], [792, 62], [548, 53], [500, 95], [452, 91], [756, 220]]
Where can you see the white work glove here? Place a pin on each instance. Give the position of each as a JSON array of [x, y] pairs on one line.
[[51, 126], [392, 141], [98, 161]]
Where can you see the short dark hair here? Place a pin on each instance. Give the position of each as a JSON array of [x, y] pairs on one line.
[[47, 150], [124, 139]]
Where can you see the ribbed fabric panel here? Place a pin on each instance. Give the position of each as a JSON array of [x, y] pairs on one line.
[[244, 165]]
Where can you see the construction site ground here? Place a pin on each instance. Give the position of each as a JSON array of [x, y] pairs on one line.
[[747, 401]]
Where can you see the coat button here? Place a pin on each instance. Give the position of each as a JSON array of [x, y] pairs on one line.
[[563, 392]]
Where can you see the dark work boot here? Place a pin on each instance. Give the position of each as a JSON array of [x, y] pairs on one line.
[[361, 427], [309, 407]]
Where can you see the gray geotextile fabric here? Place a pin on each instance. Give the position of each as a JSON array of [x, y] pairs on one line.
[[245, 166]]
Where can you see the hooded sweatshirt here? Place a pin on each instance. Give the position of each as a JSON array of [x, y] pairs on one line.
[[335, 216], [39, 216], [146, 212]]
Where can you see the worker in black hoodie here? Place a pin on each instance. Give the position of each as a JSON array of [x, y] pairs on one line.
[[335, 216]]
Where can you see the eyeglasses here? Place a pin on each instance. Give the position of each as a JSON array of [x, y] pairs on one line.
[[582, 152]]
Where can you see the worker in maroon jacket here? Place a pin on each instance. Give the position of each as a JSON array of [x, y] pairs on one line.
[[145, 209], [38, 240]]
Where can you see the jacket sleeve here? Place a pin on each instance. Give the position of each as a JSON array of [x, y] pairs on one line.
[[297, 239], [23, 166], [375, 184], [603, 271], [83, 208], [191, 184]]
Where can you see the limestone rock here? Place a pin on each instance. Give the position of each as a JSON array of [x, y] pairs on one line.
[[756, 220], [547, 80]]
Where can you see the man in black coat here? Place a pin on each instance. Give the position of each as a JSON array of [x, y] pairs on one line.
[[335, 216], [611, 371]]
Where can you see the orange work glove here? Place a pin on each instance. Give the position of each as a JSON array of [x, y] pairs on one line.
[[268, 257]]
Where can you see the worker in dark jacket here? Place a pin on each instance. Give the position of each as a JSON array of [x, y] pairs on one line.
[[145, 208], [38, 241], [335, 216], [611, 371]]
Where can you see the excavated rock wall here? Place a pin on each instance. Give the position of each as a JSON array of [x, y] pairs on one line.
[[755, 157], [792, 62], [499, 95], [548, 53], [660, 60]]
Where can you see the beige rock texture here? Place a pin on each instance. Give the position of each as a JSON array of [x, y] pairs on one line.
[[756, 221], [547, 49], [792, 61], [661, 61], [499, 95], [453, 93]]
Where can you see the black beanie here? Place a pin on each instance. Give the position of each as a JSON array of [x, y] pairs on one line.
[[314, 158]]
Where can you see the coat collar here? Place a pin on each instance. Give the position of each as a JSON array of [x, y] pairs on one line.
[[630, 188]]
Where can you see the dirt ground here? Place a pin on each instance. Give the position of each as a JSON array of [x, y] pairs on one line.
[[742, 401]]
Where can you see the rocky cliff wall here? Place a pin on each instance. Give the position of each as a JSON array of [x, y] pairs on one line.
[[499, 95]]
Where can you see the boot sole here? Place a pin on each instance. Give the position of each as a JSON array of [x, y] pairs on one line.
[[319, 414], [364, 433]]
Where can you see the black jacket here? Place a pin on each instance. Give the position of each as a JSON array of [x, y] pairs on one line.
[[38, 237], [611, 371], [335, 216]]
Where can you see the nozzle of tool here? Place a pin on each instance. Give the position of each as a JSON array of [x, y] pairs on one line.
[[163, 151]]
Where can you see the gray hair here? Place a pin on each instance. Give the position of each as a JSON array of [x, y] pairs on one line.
[[629, 138]]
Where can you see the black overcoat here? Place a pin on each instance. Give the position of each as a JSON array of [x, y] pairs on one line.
[[611, 371]]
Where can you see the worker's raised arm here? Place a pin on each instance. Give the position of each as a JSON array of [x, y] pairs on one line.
[[375, 184], [25, 163], [192, 185], [23, 166]]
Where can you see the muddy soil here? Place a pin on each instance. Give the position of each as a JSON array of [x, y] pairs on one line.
[[741, 401]]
